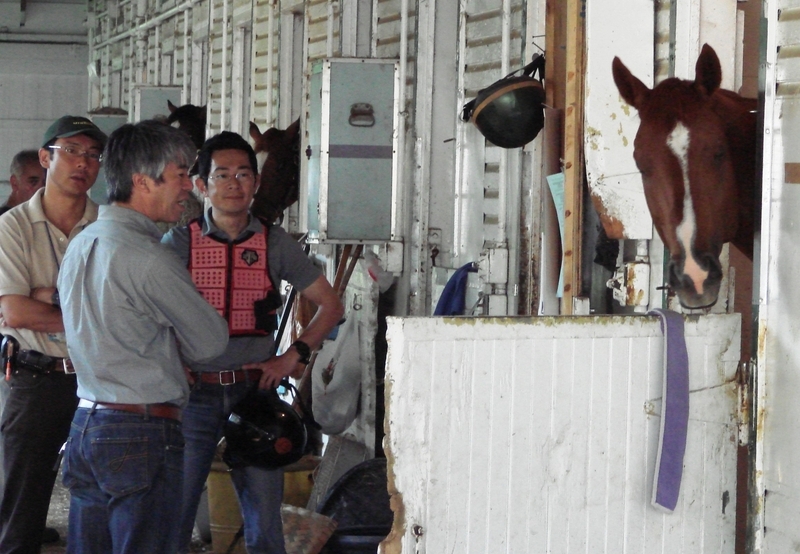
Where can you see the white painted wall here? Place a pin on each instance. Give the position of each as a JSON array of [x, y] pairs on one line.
[[42, 73], [38, 84]]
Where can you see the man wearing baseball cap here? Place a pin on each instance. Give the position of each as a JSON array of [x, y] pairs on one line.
[[42, 399]]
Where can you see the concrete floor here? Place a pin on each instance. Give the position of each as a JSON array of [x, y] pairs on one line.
[[58, 517]]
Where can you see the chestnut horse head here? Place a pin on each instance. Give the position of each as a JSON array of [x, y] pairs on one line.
[[696, 150], [190, 119], [280, 174]]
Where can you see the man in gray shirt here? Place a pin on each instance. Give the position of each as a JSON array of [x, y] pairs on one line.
[[237, 262], [132, 318]]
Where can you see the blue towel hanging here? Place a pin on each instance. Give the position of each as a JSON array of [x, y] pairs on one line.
[[453, 299]]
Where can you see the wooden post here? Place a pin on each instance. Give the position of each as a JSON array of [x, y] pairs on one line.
[[573, 152]]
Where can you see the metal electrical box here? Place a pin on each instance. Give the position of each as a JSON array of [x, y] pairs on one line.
[[150, 102], [352, 153]]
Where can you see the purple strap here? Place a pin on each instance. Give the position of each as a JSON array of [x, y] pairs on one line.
[[674, 413]]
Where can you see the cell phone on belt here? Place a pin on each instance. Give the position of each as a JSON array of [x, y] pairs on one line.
[[8, 349]]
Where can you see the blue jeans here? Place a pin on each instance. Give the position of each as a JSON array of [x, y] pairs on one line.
[[260, 491], [125, 476]]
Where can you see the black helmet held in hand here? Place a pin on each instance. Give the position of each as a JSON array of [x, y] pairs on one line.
[[263, 431]]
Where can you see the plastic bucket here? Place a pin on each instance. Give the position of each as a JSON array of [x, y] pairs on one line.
[[224, 515], [225, 518]]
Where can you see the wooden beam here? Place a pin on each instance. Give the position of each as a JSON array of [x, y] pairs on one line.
[[573, 152]]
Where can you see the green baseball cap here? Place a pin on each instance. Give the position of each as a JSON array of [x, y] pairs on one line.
[[71, 125]]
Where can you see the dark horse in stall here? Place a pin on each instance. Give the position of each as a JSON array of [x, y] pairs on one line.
[[696, 150], [280, 174], [190, 119]]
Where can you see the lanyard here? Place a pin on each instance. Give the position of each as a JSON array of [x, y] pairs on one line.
[[53, 249]]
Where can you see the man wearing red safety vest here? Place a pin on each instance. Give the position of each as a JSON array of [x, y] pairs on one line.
[[236, 263]]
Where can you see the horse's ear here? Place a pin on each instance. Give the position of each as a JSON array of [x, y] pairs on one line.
[[707, 70], [255, 134], [171, 106], [632, 90], [294, 129]]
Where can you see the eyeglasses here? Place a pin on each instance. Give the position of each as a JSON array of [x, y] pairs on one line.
[[73, 152], [244, 177]]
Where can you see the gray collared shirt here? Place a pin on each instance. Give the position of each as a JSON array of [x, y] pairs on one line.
[[131, 312], [286, 261]]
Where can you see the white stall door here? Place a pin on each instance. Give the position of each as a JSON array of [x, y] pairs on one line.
[[539, 435]]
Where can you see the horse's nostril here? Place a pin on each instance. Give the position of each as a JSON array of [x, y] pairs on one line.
[[675, 276], [714, 267]]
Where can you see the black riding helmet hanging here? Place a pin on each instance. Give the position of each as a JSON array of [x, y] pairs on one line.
[[509, 112], [263, 431]]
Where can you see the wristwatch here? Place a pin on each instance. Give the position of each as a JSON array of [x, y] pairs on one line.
[[55, 300], [304, 350]]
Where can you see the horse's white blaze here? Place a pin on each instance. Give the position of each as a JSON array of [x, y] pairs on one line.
[[261, 158], [678, 142]]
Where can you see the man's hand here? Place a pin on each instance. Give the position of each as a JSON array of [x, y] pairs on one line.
[[189, 375], [329, 312], [275, 369]]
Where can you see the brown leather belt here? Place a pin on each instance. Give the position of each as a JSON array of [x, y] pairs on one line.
[[165, 410], [228, 377]]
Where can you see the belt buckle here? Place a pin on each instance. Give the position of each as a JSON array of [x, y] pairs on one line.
[[66, 363], [232, 373]]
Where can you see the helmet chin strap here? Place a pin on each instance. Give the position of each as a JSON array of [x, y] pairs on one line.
[[307, 417]]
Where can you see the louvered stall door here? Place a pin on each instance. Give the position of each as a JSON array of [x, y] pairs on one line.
[[322, 21], [219, 66], [539, 435], [199, 55], [266, 71], [166, 51], [491, 45], [230, 69], [778, 460], [388, 24]]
